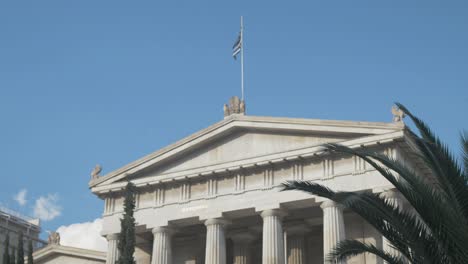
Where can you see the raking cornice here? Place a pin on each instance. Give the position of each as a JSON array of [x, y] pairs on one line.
[[353, 129]]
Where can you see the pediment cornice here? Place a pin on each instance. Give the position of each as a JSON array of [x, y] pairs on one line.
[[235, 122], [315, 152], [58, 250]]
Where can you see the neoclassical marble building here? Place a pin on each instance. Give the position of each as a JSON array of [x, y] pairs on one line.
[[57, 254], [14, 223], [213, 197]]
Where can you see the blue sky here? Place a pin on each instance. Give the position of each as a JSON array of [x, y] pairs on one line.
[[86, 82]]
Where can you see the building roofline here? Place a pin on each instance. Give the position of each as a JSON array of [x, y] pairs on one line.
[[70, 251], [307, 152], [319, 125], [19, 218]]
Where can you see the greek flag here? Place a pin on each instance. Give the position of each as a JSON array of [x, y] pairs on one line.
[[237, 46]]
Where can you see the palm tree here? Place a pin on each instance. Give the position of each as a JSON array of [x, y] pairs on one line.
[[434, 229]]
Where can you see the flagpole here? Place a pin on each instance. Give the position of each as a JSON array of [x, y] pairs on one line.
[[242, 57]]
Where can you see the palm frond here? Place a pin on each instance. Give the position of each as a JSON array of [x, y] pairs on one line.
[[464, 143], [400, 228], [348, 248], [435, 228], [444, 166], [428, 201]]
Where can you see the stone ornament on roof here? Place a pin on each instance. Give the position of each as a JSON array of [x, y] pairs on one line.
[[54, 238], [96, 171], [235, 106], [398, 114]]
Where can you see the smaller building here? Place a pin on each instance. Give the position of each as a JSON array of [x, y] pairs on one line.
[[14, 223], [55, 253]]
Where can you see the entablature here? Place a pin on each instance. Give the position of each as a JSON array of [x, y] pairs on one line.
[[348, 129], [288, 157], [260, 177]]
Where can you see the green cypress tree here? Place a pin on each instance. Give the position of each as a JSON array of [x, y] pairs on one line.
[[6, 254], [30, 252], [20, 252], [126, 243], [12, 257]]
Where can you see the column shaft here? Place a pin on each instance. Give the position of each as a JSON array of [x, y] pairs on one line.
[[242, 241], [296, 250], [112, 250], [162, 248], [333, 226], [241, 253], [273, 237], [215, 252]]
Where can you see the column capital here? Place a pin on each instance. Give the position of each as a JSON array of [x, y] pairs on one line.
[[163, 229], [217, 221], [114, 236], [273, 212], [330, 203]]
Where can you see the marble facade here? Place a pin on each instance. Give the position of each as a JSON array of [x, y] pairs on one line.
[[214, 197], [12, 224], [57, 254]]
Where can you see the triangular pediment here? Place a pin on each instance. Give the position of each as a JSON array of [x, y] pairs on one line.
[[53, 253], [241, 138], [240, 145]]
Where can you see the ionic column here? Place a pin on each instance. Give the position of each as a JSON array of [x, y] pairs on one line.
[[296, 243], [162, 248], [215, 241], [394, 198], [273, 237], [112, 250], [242, 242], [333, 226]]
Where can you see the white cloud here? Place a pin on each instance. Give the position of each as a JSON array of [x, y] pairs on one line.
[[83, 235], [20, 197], [46, 207]]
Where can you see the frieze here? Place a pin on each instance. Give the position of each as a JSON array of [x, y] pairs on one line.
[[298, 171], [159, 196], [359, 165], [240, 182], [327, 165], [246, 180], [235, 166], [268, 177]]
